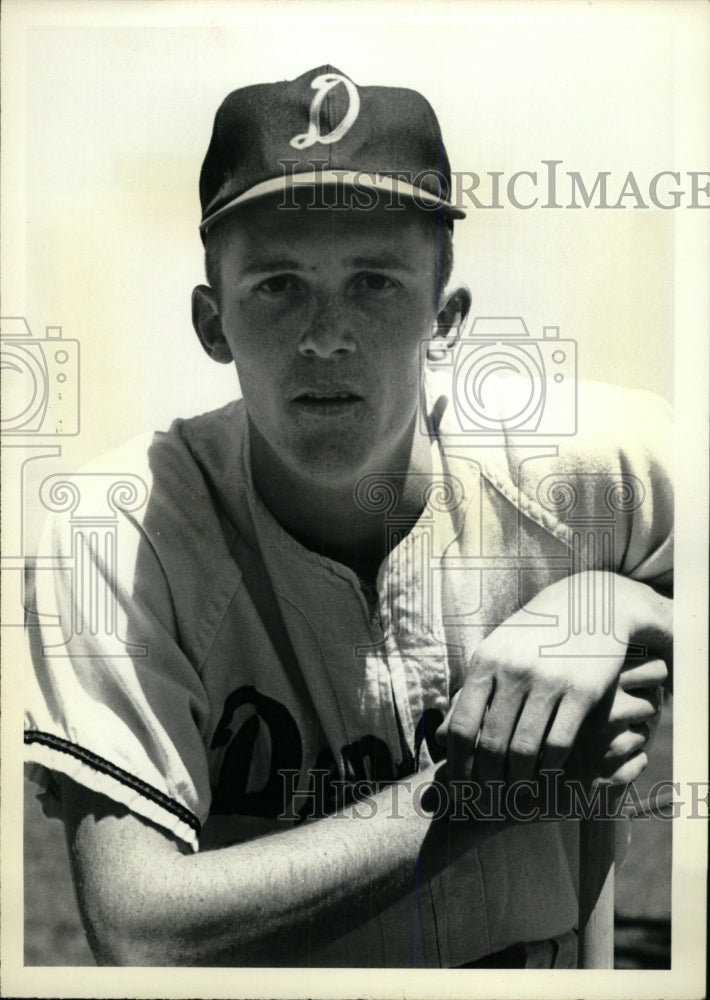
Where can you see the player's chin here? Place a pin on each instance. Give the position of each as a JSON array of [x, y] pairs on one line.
[[334, 459]]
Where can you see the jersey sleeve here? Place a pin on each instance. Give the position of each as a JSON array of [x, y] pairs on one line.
[[614, 472], [112, 701], [648, 455], [624, 450]]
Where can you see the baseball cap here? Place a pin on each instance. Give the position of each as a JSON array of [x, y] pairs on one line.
[[323, 129]]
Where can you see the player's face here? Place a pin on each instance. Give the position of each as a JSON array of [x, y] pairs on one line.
[[323, 312]]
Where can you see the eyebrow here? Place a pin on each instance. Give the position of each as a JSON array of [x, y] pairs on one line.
[[390, 261], [271, 264], [384, 260]]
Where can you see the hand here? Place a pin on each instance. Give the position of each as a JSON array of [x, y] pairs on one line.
[[614, 739], [519, 711]]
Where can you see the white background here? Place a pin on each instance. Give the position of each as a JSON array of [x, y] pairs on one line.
[[107, 112]]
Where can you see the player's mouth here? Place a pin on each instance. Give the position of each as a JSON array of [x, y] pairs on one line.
[[334, 401]]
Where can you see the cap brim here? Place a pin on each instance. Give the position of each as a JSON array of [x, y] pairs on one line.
[[364, 180]]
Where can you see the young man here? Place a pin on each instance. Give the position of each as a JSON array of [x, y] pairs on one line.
[[335, 580]]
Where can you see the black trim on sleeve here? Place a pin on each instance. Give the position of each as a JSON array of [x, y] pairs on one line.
[[106, 767]]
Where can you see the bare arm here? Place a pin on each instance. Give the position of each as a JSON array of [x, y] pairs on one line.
[[265, 902]]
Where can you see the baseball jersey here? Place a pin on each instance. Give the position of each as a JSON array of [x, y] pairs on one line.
[[198, 664]]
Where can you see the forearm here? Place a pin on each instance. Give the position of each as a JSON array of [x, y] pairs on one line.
[[619, 607], [264, 902], [292, 890]]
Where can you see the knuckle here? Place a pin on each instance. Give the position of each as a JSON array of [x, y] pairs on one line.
[[555, 683], [520, 672], [459, 730], [485, 657], [557, 747], [489, 744], [522, 746], [478, 682]]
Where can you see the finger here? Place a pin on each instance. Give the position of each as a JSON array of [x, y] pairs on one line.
[[630, 770], [491, 754], [527, 741], [632, 709], [622, 747], [630, 724], [443, 727], [563, 732], [644, 675], [464, 726]]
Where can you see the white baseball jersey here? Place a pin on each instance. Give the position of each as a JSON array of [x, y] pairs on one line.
[[201, 662]]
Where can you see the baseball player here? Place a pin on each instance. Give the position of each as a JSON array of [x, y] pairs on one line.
[[339, 579]]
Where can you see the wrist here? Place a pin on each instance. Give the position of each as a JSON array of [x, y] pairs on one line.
[[646, 614]]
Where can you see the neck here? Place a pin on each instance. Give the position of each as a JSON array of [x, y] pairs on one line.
[[345, 520]]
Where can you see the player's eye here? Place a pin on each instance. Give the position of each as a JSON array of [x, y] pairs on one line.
[[373, 281], [278, 283]]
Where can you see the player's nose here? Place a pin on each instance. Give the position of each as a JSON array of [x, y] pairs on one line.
[[329, 332]]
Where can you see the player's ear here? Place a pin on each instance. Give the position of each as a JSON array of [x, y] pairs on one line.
[[451, 316], [208, 324]]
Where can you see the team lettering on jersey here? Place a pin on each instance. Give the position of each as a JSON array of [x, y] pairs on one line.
[[329, 782]]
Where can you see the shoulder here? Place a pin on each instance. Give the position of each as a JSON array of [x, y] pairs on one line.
[[609, 429], [613, 463], [168, 488], [177, 467], [622, 439], [190, 448]]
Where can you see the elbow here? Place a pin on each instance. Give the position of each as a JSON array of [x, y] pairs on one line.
[[119, 936], [129, 924], [143, 934], [129, 951]]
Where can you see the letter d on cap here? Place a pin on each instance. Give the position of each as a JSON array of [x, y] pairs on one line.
[[323, 85]]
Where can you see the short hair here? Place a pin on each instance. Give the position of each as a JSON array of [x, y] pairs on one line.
[[444, 236]]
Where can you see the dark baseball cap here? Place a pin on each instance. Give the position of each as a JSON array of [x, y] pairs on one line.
[[323, 129]]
